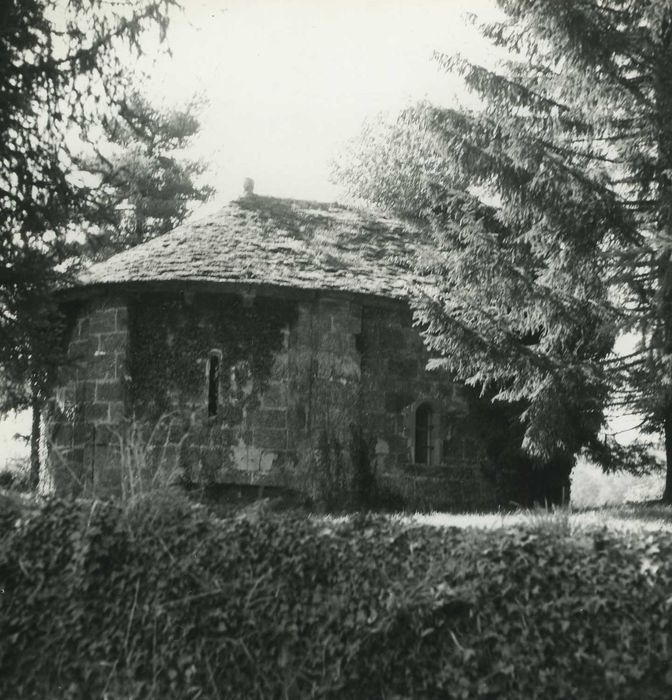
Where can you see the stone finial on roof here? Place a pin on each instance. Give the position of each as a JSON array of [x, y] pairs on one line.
[[248, 187]]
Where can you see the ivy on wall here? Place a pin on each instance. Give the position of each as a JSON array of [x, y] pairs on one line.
[[170, 339]]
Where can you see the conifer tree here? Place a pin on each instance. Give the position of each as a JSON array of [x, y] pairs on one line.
[[145, 185], [552, 210]]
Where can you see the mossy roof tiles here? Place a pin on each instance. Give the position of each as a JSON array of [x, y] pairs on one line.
[[264, 240]]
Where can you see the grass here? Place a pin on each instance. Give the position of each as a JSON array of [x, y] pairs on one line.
[[632, 517]]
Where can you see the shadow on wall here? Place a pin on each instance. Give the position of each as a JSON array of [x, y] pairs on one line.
[[592, 488]]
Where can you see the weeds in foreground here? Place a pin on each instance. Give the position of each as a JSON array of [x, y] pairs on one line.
[[366, 606], [147, 457], [563, 521]]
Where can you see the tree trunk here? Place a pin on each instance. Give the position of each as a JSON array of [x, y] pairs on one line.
[[667, 493], [35, 444], [663, 89]]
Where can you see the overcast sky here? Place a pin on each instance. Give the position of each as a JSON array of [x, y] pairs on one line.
[[289, 81]]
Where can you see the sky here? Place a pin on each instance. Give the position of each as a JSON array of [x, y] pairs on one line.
[[289, 82]]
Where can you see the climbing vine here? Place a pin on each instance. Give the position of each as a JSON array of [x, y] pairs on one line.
[[170, 340]]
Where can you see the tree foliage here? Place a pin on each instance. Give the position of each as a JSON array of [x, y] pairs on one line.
[[551, 205], [61, 69], [159, 600], [145, 185]]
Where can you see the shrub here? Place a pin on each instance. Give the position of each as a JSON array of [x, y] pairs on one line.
[[102, 602], [15, 480]]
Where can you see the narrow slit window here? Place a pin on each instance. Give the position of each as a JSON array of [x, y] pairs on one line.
[[213, 383], [424, 438]]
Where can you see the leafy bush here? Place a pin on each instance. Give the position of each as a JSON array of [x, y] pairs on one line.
[[15, 480], [167, 602]]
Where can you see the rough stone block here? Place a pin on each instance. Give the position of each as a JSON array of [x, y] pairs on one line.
[[85, 392], [177, 429], [332, 366], [120, 364], [117, 411], [65, 395], [302, 330], [397, 444], [211, 461], [393, 339], [301, 365], [83, 433], [190, 456], [374, 420], [355, 318], [471, 449], [231, 414], [122, 318], [235, 476], [404, 367], [396, 401], [347, 327], [103, 366], [199, 433], [322, 324], [384, 316], [79, 350], [83, 327], [279, 371], [66, 467], [405, 315], [328, 306], [270, 418], [111, 390], [112, 342], [270, 439], [61, 433], [166, 463], [103, 321], [275, 395], [98, 412], [299, 415], [413, 341], [346, 344], [106, 435], [107, 472]]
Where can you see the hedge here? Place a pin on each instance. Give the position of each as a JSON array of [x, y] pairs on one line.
[[164, 601]]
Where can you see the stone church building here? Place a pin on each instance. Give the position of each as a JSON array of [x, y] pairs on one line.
[[272, 344]]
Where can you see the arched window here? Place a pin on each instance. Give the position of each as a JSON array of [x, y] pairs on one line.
[[214, 366], [424, 434]]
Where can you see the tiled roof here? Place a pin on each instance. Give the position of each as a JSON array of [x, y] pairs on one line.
[[263, 240]]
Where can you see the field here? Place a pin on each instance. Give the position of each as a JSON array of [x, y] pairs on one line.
[[636, 518], [159, 599]]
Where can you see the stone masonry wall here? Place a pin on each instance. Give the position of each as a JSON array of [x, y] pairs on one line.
[[394, 383], [90, 401], [290, 377], [300, 381], [172, 338], [324, 391]]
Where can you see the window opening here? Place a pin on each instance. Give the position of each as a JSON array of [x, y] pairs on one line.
[[424, 439], [213, 383]]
